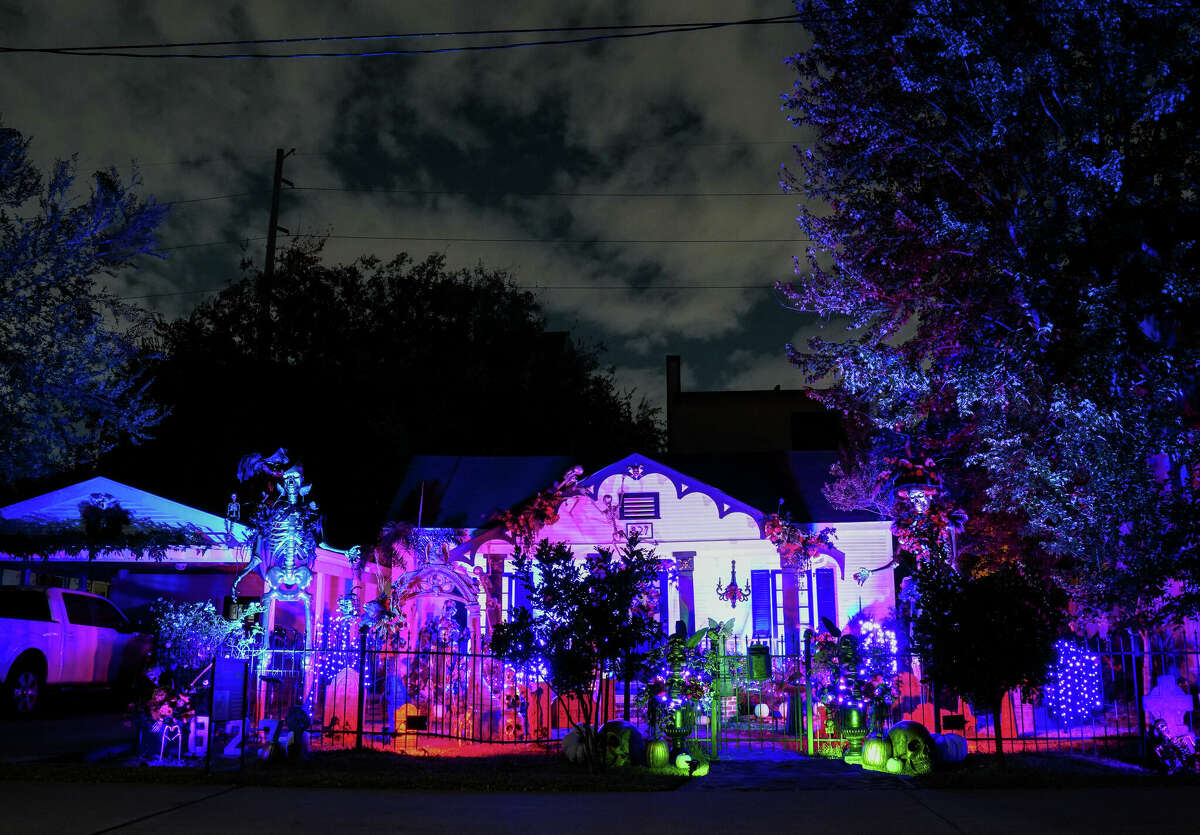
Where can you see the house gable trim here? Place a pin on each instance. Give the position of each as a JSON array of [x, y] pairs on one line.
[[684, 485]]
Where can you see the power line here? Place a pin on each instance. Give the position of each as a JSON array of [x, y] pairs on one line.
[[550, 241], [121, 51], [622, 194], [667, 143], [567, 241], [406, 35], [484, 192], [538, 287], [238, 242]]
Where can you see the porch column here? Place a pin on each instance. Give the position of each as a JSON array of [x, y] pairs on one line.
[[664, 600], [493, 585], [685, 562], [790, 566]]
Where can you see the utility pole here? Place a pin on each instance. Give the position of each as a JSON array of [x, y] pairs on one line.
[[280, 156], [265, 286]]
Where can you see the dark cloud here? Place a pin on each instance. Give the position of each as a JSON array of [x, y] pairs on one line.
[[504, 131]]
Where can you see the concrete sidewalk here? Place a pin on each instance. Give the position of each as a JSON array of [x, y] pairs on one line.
[[67, 809]]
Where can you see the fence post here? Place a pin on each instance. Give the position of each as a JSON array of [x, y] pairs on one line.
[[362, 704], [1139, 656], [791, 651], [808, 706]]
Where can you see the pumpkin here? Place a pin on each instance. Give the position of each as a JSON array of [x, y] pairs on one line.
[[876, 752], [695, 768], [949, 748], [894, 766], [658, 753]]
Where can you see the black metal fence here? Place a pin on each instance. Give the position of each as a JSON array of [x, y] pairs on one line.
[[1099, 699], [360, 696]]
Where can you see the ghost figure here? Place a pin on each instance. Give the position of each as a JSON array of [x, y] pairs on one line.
[[287, 530]]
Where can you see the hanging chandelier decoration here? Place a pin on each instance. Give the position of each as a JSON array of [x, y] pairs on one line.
[[732, 592]]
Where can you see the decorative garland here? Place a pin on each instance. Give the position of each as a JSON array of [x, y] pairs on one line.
[[523, 522], [796, 546]]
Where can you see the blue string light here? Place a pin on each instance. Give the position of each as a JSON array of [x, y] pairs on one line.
[[1073, 692]]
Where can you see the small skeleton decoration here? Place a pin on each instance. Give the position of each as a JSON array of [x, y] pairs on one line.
[[286, 532]]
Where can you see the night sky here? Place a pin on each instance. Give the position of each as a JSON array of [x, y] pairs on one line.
[[503, 144]]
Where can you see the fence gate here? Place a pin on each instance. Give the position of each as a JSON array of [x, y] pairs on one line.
[[759, 708]]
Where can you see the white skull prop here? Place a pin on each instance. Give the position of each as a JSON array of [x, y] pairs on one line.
[[913, 746], [572, 747]]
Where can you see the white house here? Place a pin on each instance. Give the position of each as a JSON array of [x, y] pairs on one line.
[[700, 528]]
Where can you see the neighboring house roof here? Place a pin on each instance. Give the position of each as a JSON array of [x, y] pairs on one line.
[[62, 506], [763, 479], [463, 491]]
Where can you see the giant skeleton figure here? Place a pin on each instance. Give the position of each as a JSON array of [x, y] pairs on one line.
[[286, 533]]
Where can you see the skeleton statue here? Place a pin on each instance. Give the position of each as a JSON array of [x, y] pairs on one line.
[[286, 534]]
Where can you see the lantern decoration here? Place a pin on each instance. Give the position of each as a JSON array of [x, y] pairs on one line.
[[762, 711], [657, 753], [1074, 689], [732, 592], [876, 752], [759, 656], [893, 766]]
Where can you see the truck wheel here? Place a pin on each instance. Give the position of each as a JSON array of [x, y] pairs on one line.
[[24, 689]]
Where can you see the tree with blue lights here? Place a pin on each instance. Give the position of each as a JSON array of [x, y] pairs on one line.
[[1003, 201], [585, 618], [72, 381]]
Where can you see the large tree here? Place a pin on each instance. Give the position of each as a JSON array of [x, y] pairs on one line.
[[71, 374], [1002, 202], [354, 367]]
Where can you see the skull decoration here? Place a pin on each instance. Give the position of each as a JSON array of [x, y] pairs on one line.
[[514, 727], [913, 746], [573, 746], [623, 743]]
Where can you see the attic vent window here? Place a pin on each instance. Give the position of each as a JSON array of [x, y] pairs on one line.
[[639, 506]]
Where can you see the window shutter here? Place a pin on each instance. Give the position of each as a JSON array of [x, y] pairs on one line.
[[762, 603], [664, 602], [826, 594], [519, 596]]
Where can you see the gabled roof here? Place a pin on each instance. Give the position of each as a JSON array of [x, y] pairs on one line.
[[463, 491], [62, 506], [684, 484]]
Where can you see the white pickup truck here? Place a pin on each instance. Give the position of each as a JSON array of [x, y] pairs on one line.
[[51, 636]]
